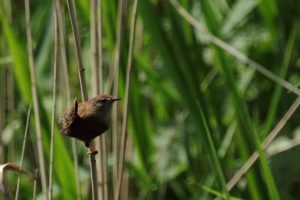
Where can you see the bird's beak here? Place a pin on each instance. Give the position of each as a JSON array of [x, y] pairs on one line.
[[115, 99]]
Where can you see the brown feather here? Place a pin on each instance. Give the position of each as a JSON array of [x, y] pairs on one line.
[[91, 119]]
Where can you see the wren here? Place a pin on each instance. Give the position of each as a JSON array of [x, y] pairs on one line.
[[88, 119]]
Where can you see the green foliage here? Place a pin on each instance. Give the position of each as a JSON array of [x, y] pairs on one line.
[[196, 114]]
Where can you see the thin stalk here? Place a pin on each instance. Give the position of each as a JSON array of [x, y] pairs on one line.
[[84, 95], [53, 105], [75, 161], [101, 142], [72, 12], [35, 183], [35, 101], [115, 80], [100, 56], [94, 47], [95, 86], [23, 151], [232, 51], [10, 106], [93, 175], [62, 48], [2, 113], [104, 165], [124, 132]]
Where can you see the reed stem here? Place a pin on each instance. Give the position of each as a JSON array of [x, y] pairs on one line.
[[124, 132], [23, 151], [53, 119], [35, 101]]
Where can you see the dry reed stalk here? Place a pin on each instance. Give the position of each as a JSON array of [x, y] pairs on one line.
[[35, 101], [72, 12], [101, 142], [53, 119], [2, 113], [63, 59], [82, 81], [115, 81], [96, 88], [124, 132], [10, 106]]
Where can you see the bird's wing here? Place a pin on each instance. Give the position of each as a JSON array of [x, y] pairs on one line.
[[67, 119], [84, 110]]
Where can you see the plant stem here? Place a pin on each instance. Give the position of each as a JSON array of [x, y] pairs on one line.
[[23, 151], [93, 175], [124, 132], [53, 104], [72, 12], [84, 95], [115, 81], [35, 101], [61, 44], [35, 183]]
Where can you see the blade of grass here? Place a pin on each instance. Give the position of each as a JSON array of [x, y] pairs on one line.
[[184, 78], [248, 137], [278, 90]]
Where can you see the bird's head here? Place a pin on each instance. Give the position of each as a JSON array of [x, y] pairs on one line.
[[103, 103]]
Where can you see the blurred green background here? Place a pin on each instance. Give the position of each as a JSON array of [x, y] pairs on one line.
[[196, 113]]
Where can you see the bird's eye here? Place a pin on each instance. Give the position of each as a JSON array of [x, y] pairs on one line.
[[103, 100]]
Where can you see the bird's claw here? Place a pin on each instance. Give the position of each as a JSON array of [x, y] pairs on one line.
[[92, 150]]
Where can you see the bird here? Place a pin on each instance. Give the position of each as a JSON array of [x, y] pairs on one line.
[[87, 120]]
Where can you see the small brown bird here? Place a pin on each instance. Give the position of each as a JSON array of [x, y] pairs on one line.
[[87, 120]]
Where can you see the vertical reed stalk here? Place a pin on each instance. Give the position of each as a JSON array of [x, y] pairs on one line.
[[35, 101], [63, 59], [93, 175], [124, 132], [2, 113], [72, 12], [35, 183], [10, 105], [94, 47], [53, 104], [115, 80], [100, 56], [84, 95], [101, 142], [23, 151], [95, 87]]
